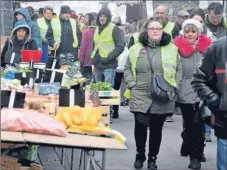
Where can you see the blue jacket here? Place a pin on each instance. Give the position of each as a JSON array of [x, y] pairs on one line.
[[35, 32]]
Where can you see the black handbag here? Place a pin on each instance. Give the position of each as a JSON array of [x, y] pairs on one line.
[[161, 90]]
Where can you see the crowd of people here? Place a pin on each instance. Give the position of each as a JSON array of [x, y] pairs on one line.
[[157, 65]]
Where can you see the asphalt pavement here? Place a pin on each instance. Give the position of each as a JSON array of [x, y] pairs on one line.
[[168, 159]]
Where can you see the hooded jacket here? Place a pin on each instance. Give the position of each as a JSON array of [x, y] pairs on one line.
[[111, 60], [35, 32], [14, 45], [210, 83]]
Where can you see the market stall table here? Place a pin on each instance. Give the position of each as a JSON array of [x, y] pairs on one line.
[[88, 144]]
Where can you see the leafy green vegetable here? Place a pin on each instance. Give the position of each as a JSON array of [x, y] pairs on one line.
[[100, 86]]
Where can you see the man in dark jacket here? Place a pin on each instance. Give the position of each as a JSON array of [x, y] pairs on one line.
[[215, 22], [210, 82], [109, 44], [181, 17], [22, 14], [64, 35], [20, 39]]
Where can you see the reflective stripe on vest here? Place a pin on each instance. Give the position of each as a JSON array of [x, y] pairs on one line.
[[104, 42], [56, 27], [168, 28], [169, 54], [136, 37]]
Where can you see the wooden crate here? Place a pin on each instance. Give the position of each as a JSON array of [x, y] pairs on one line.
[[107, 97]]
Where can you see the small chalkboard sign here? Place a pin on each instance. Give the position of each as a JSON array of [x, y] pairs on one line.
[[73, 69], [66, 58], [49, 88]]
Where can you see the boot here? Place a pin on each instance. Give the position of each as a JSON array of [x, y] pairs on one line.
[[140, 158], [184, 150], [194, 164], [203, 158], [151, 164], [115, 115]]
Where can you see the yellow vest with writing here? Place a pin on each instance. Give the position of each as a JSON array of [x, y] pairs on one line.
[[56, 27], [169, 54], [104, 42]]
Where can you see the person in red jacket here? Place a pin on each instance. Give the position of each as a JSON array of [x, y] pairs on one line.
[[86, 50]]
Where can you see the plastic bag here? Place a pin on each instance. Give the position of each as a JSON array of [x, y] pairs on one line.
[[21, 120]]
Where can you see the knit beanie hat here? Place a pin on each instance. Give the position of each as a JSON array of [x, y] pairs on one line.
[[194, 22], [65, 9]]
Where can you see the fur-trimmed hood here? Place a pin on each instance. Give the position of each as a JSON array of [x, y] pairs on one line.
[[186, 49], [143, 39]]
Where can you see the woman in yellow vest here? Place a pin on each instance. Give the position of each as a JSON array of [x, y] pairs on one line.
[[153, 56]]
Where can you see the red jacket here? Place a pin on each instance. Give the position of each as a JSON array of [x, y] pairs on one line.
[[86, 47]]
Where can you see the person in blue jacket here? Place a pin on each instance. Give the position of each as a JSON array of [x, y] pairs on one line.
[[22, 14]]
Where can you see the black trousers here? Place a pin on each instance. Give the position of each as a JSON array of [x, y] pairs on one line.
[[87, 72], [156, 124], [117, 85], [193, 134]]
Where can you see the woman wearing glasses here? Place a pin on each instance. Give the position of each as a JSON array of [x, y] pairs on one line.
[[191, 46], [152, 74]]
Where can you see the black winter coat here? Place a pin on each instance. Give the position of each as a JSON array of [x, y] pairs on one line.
[[210, 82]]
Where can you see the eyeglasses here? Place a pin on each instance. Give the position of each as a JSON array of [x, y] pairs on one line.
[[154, 29]]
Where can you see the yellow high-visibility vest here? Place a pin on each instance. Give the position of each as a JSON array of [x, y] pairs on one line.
[[56, 27], [43, 27], [168, 28], [169, 54], [104, 42]]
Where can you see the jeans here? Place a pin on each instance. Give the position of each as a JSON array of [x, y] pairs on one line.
[[207, 130], [155, 136], [106, 75], [194, 130], [222, 154]]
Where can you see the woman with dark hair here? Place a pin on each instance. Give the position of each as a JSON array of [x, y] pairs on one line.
[[20, 39], [191, 45], [154, 59], [86, 50], [89, 17]]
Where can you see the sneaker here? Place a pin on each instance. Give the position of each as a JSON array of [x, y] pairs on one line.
[[195, 164], [140, 158], [151, 164], [169, 119], [208, 138]]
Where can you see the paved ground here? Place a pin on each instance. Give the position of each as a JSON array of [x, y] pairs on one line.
[[168, 158]]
